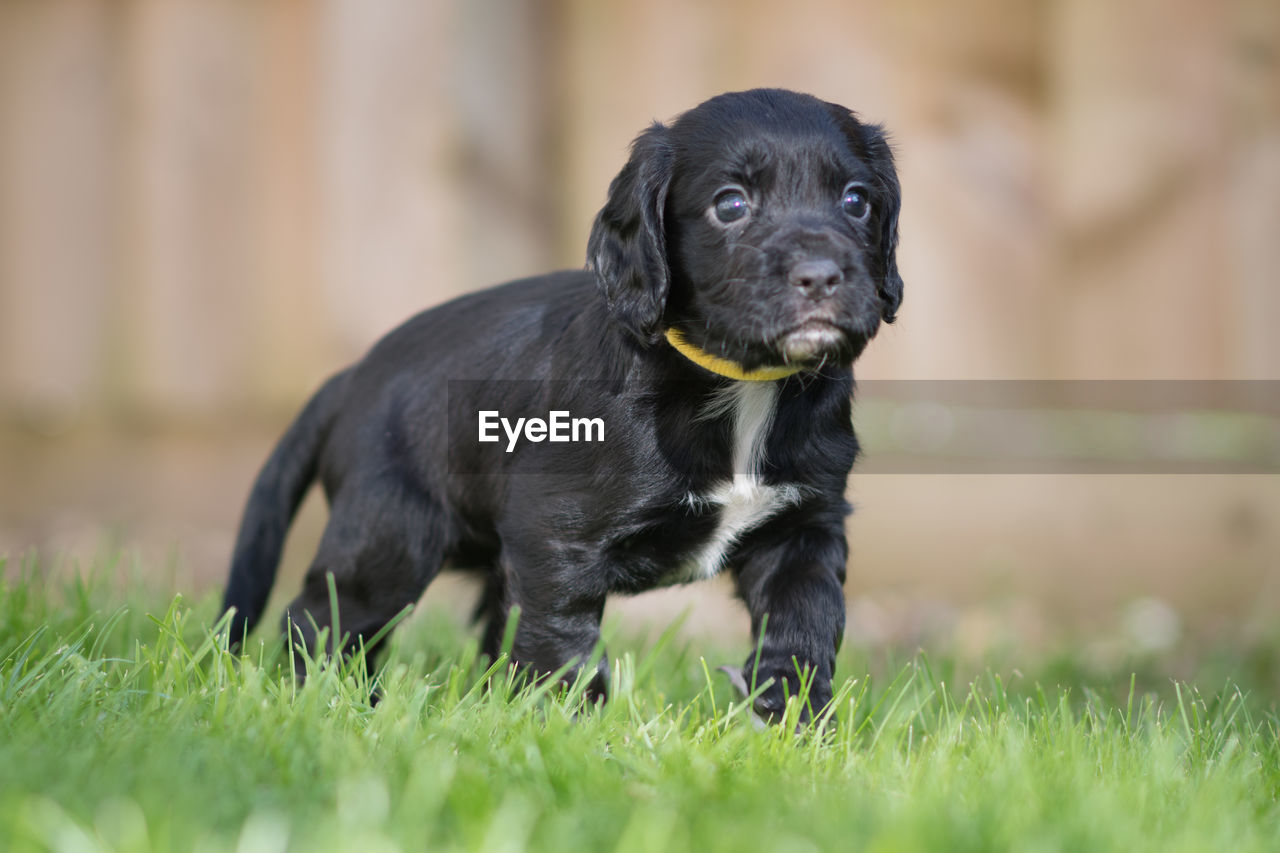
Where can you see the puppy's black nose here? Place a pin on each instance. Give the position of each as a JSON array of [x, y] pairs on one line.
[[817, 279]]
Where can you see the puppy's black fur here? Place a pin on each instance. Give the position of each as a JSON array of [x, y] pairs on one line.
[[762, 225]]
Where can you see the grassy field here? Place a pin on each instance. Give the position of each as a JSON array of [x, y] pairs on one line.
[[124, 726]]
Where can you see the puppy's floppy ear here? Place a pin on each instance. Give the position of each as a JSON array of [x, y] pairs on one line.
[[880, 158], [628, 243]]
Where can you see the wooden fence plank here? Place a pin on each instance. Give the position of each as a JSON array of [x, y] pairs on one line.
[[57, 197]]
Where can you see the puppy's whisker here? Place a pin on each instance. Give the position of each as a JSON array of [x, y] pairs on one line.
[[735, 244]]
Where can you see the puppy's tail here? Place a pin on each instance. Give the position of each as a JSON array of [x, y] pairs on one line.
[[277, 492]]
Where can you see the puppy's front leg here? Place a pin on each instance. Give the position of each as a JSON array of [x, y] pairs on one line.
[[559, 620], [546, 641], [794, 577]]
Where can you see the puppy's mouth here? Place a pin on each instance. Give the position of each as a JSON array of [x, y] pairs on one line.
[[812, 340]]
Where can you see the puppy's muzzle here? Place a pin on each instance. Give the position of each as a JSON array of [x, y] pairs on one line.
[[817, 332]]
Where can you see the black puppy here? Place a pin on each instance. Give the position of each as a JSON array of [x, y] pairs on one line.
[[743, 259]]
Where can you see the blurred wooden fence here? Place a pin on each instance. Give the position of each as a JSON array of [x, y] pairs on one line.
[[207, 205]]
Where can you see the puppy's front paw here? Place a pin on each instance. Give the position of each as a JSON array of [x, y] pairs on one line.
[[781, 682], [769, 706]]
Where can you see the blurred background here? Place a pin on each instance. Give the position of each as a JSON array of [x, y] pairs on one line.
[[207, 206]]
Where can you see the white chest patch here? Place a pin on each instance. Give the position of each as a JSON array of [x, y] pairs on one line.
[[745, 500]]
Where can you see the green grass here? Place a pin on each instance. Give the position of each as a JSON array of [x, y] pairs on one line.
[[125, 726]]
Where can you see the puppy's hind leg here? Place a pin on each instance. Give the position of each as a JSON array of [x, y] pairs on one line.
[[380, 553]]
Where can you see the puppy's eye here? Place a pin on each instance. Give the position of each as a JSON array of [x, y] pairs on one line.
[[854, 202], [730, 206]]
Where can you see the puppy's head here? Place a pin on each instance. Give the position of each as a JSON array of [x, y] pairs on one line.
[[761, 224]]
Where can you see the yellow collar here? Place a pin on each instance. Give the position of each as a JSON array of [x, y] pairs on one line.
[[724, 366]]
